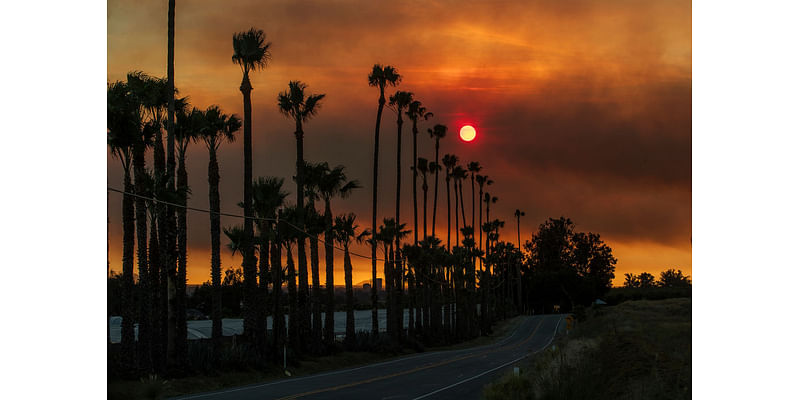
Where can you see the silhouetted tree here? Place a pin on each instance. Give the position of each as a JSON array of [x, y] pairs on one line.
[[295, 105], [380, 77], [438, 132], [674, 279], [251, 53], [217, 127]]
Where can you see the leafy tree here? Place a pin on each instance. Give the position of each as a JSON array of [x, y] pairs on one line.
[[672, 278], [646, 280]]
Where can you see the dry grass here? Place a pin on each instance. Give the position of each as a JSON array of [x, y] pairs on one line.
[[636, 350]]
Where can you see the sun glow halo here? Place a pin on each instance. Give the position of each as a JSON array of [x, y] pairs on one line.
[[467, 133]]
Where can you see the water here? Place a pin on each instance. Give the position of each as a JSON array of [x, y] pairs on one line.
[[201, 329]]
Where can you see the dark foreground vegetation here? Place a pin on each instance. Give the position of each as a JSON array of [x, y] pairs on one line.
[[635, 350]]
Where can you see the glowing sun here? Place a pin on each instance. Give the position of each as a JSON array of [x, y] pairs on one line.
[[467, 133]]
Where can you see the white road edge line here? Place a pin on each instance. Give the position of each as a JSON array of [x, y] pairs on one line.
[[493, 369], [425, 354]]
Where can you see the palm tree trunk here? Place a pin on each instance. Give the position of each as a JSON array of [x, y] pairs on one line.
[[414, 185], [350, 323], [248, 252], [172, 318], [294, 326], [461, 197], [480, 221], [302, 295], [329, 334], [181, 343], [374, 242], [436, 191], [216, 264], [278, 322], [388, 270], [156, 350], [448, 211], [455, 200], [316, 295], [128, 339], [144, 345], [263, 286], [398, 266]]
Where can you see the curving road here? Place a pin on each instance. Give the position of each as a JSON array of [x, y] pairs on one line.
[[452, 374]]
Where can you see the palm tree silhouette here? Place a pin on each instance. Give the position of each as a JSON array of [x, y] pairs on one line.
[[315, 225], [344, 232], [268, 196], [482, 180], [414, 113], [137, 91], [449, 162], [422, 168], [438, 132], [474, 167], [175, 315], [123, 128], [518, 214], [251, 53], [217, 127], [187, 128], [332, 183], [379, 77], [294, 104]]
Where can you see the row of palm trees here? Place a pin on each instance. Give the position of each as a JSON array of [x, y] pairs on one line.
[[425, 276]]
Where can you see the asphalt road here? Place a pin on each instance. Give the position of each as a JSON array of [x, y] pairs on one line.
[[452, 374]]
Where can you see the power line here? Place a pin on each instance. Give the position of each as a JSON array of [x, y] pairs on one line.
[[295, 227]]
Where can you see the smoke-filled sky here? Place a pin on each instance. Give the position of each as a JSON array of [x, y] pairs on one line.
[[582, 108]]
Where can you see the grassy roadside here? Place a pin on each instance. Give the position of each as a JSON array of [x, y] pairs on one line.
[[155, 388], [635, 350]]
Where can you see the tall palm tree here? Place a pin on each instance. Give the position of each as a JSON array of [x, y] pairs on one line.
[[518, 214], [438, 132], [449, 162], [251, 53], [288, 234], [217, 127], [422, 167], [380, 77], [268, 196], [459, 174], [482, 180], [123, 127], [298, 106], [474, 167], [334, 183], [187, 128], [399, 102], [315, 225], [174, 354], [344, 231], [488, 199], [414, 113], [137, 90]]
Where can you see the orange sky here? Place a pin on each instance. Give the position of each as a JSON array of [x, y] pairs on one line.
[[583, 108]]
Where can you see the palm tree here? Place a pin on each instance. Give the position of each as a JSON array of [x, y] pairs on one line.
[[137, 92], [488, 199], [123, 128], [288, 216], [174, 354], [422, 167], [482, 180], [333, 183], [518, 214], [315, 225], [415, 112], [187, 128], [296, 105], [474, 167], [216, 128], [459, 174], [399, 102], [344, 231], [250, 52], [379, 77], [449, 162], [268, 196], [438, 132]]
